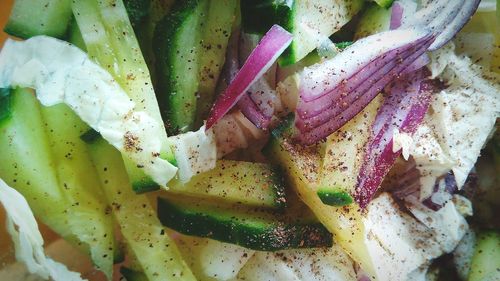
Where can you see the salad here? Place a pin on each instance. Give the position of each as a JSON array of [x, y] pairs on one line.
[[251, 139]]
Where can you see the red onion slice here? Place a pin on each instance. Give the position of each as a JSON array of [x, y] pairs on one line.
[[321, 79], [253, 113], [407, 102], [260, 60], [445, 18], [333, 124], [317, 112]]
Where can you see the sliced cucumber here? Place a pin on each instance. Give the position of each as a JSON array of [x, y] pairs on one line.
[[132, 275], [77, 178], [29, 18], [384, 3], [374, 19], [75, 36], [137, 10], [176, 50], [485, 264], [334, 197], [251, 228], [26, 162], [310, 22], [110, 40], [217, 26], [302, 172], [253, 184], [155, 252], [145, 32], [344, 152]]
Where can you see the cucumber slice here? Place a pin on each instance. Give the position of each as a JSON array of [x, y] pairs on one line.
[[110, 40], [153, 249], [89, 222], [217, 27], [132, 275], [137, 10], [302, 172], [75, 36], [145, 32], [29, 18], [310, 22], [176, 50], [252, 184], [251, 228], [486, 260], [374, 19], [26, 162], [333, 197], [384, 3], [344, 152]]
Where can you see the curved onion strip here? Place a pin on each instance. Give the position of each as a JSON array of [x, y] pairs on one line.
[[396, 15], [451, 28], [408, 102], [325, 109], [253, 113], [260, 60], [320, 79], [333, 124], [445, 18], [422, 61], [372, 71]]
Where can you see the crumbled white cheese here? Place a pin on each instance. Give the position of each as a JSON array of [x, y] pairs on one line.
[[195, 152], [62, 73], [28, 241]]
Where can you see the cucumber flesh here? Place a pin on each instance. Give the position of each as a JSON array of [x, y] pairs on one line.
[[175, 45], [109, 38], [217, 26], [133, 275], [252, 184], [75, 36], [30, 18], [302, 172], [486, 260], [340, 169], [77, 179], [374, 19], [146, 238], [26, 162], [384, 3], [310, 22], [251, 228], [334, 197]]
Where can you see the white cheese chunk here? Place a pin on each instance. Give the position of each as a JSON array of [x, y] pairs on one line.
[[62, 73]]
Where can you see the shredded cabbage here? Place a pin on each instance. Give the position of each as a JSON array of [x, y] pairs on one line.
[[28, 241]]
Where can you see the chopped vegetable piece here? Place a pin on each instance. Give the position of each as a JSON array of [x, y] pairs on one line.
[[145, 237], [251, 228], [110, 41], [29, 18], [260, 60]]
